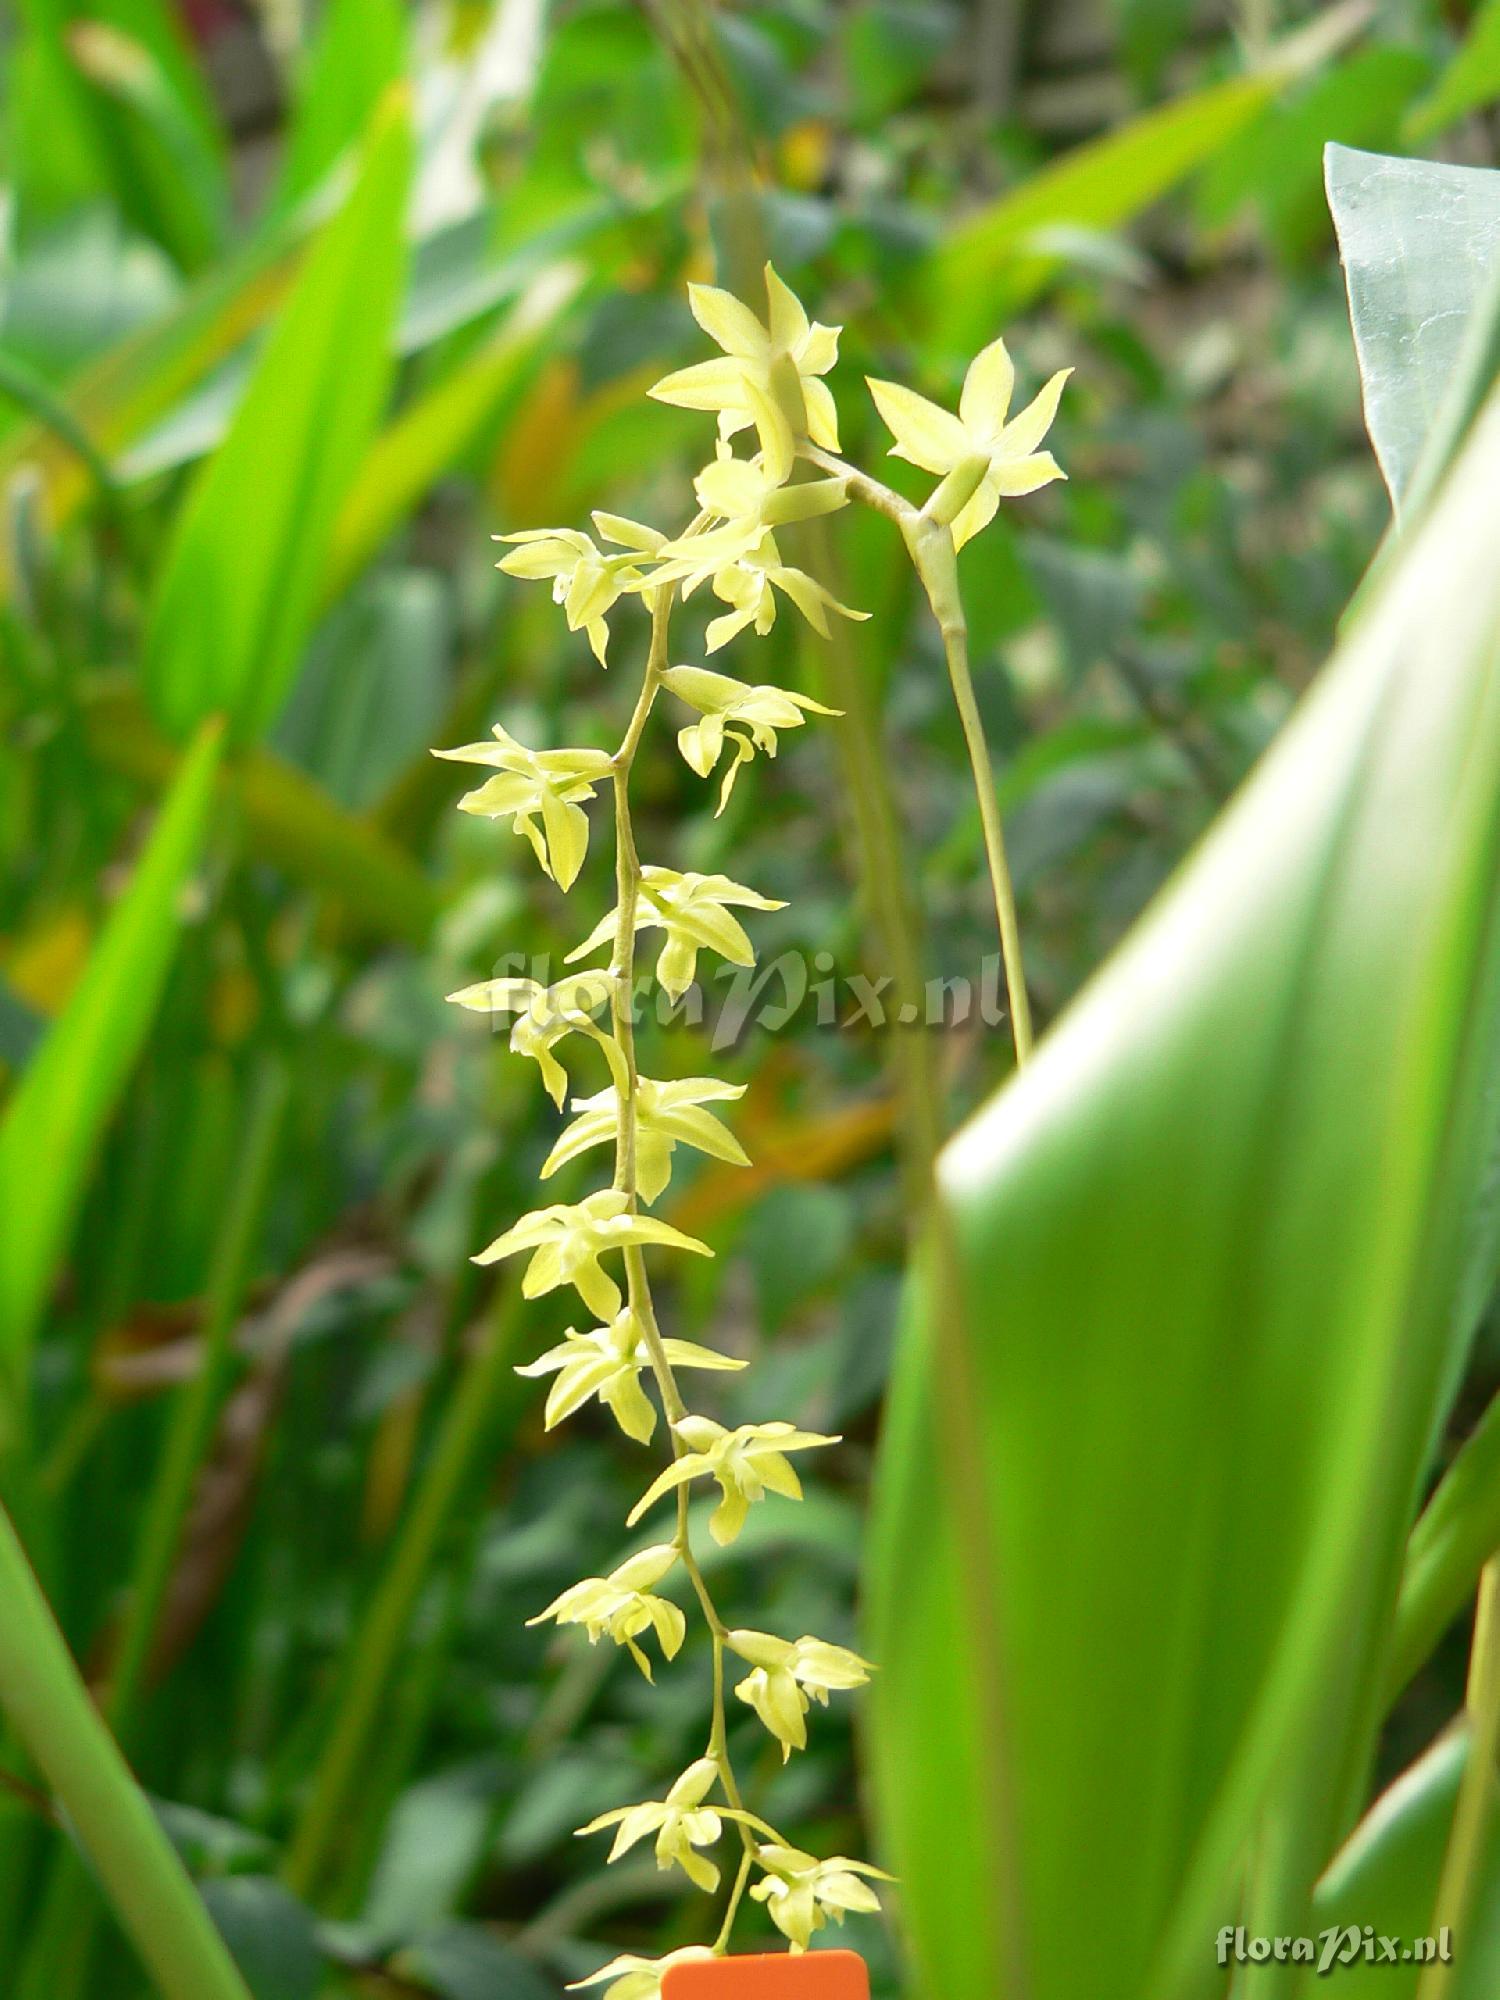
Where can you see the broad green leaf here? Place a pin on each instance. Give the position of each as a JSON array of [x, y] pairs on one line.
[[991, 265], [273, 1938], [466, 1962], [1471, 80], [434, 1845], [360, 50], [371, 699], [157, 400], [1209, 1248], [239, 585], [86, 286], [1387, 1875], [59, 1108], [197, 423], [1417, 242]]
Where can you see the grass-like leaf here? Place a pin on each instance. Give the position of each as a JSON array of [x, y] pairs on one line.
[[239, 585], [57, 1111]]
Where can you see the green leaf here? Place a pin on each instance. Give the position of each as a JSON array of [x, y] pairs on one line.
[[111, 100], [1277, 162], [1387, 1875], [434, 1845], [359, 51], [57, 1723], [990, 265], [437, 428], [273, 1938], [1469, 83], [238, 590], [116, 398], [1458, 1532], [289, 819], [1209, 1247], [1417, 243], [59, 1108], [464, 1962]]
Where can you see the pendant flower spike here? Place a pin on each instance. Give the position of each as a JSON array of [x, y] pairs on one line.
[[768, 381], [982, 457], [769, 376]]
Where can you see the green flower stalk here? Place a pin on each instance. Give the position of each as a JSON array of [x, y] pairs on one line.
[[767, 383]]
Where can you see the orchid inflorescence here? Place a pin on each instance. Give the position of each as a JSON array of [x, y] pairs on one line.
[[768, 381]]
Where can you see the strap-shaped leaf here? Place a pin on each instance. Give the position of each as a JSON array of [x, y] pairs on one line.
[[1211, 1242], [54, 1117], [240, 583]]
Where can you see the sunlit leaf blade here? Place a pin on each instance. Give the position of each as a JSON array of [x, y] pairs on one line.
[[1211, 1241], [436, 428], [59, 1107], [1417, 241], [359, 51], [1471, 80], [240, 580], [992, 264]]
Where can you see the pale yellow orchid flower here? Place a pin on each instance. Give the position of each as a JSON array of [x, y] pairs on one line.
[[666, 1115], [585, 581], [544, 1015], [736, 716], [786, 1673], [801, 1893], [568, 1239], [692, 910], [552, 783], [769, 373], [623, 1606], [638, 1978], [983, 454], [608, 1363], [747, 1463], [681, 1822]]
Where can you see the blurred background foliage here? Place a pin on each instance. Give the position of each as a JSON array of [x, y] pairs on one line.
[[299, 306]]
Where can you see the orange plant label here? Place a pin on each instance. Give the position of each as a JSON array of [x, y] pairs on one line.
[[818, 1975]]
